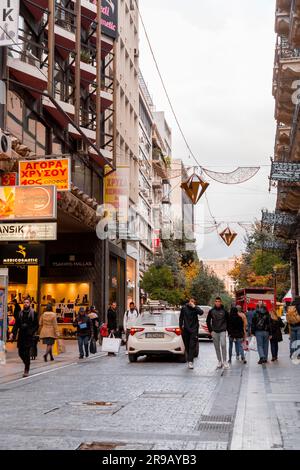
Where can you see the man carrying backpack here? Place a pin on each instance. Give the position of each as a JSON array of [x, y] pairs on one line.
[[293, 320], [261, 328], [129, 321]]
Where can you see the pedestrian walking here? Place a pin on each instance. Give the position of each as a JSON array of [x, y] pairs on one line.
[[237, 333], [84, 332], [49, 331], [276, 333], [189, 325], [25, 327], [261, 328], [293, 320], [17, 308], [94, 317], [130, 317], [112, 326], [249, 316], [217, 322]]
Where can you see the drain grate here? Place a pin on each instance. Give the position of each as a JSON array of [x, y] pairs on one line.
[[215, 423], [100, 445], [162, 395]]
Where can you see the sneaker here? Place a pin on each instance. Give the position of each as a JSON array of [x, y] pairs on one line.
[[81, 357], [237, 358], [226, 365], [191, 365], [273, 359], [244, 361], [126, 353], [219, 366], [261, 361]]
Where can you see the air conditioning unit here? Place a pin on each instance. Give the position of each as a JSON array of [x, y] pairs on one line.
[[5, 145], [136, 53]]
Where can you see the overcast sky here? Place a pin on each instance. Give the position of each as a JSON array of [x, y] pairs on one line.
[[217, 58]]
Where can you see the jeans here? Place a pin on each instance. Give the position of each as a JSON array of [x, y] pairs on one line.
[[238, 347], [83, 341], [190, 343], [219, 340], [262, 338], [295, 339], [274, 348], [24, 353]]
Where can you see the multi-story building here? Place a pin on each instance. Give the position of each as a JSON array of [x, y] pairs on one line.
[[285, 169], [182, 207], [69, 86], [222, 268], [145, 178]]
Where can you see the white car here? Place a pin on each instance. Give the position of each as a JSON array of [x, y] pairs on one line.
[[203, 330], [156, 334]]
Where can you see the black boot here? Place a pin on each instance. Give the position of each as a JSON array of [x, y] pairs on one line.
[[51, 357], [45, 357]]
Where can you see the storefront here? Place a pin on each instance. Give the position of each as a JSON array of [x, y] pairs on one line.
[[132, 273]]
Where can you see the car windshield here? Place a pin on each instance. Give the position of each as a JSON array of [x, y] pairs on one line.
[[162, 319]]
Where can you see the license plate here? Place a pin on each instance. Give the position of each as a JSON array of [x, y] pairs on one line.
[[155, 335]]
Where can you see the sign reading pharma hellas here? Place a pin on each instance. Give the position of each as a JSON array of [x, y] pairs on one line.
[[9, 22], [109, 18], [46, 172], [28, 231], [27, 203]]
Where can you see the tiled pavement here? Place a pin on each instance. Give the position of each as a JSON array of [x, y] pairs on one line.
[[153, 404]]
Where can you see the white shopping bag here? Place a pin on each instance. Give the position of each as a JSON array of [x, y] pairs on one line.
[[111, 344], [253, 344]]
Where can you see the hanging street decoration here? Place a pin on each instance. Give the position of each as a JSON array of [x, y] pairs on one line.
[[238, 176], [195, 187], [228, 236]]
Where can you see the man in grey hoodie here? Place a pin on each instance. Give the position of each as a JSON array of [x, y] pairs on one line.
[[217, 321]]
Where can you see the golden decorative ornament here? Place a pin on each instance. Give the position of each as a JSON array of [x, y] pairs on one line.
[[195, 187], [228, 236]]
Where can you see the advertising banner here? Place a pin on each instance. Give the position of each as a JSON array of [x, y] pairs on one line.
[[22, 255], [28, 231], [9, 179], [116, 192], [109, 18], [55, 172], [9, 22], [28, 203]]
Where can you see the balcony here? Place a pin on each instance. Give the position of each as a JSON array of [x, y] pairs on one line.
[[106, 98], [36, 7], [282, 22], [56, 113], [90, 133], [88, 12], [88, 71], [282, 139], [28, 70]]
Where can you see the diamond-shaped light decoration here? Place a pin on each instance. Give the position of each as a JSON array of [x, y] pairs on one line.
[[195, 187], [228, 236]]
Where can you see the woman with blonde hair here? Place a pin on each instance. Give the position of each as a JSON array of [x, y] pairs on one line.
[[49, 330], [276, 334]]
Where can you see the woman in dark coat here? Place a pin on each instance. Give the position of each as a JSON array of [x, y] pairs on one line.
[[237, 333], [276, 334]]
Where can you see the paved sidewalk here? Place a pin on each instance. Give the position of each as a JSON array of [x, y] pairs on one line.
[[13, 369], [268, 409]]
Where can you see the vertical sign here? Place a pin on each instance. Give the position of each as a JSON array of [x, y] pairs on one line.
[[9, 22], [109, 18], [3, 313]]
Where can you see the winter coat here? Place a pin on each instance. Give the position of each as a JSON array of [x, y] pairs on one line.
[[276, 326], [48, 324], [189, 318], [112, 319], [86, 322], [130, 318], [25, 327], [235, 326], [261, 321], [217, 320]]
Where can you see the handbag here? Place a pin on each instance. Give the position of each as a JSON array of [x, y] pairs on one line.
[[111, 344], [253, 344], [93, 346]]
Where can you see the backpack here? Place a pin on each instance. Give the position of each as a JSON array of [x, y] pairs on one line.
[[292, 316]]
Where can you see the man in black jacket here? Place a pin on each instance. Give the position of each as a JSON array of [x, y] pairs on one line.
[[84, 327], [26, 326], [217, 321], [112, 324], [261, 328], [189, 324]]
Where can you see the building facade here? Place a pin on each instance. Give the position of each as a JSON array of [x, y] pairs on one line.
[[285, 172], [221, 268]]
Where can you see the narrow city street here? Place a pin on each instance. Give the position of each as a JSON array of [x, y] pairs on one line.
[[152, 404]]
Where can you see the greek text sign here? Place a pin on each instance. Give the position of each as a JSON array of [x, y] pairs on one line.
[[46, 172], [27, 203], [9, 22], [28, 231]]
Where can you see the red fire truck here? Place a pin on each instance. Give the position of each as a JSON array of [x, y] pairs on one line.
[[248, 298]]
